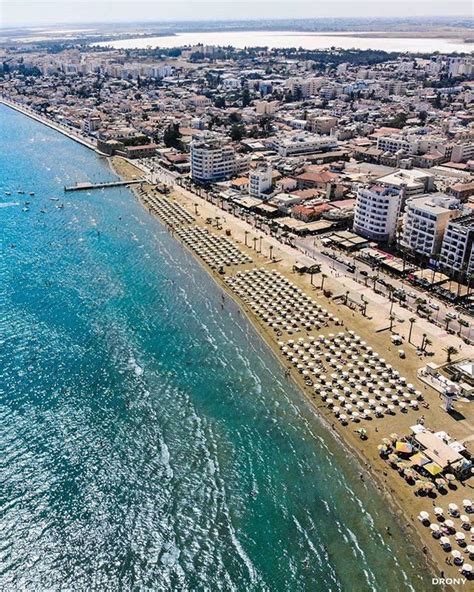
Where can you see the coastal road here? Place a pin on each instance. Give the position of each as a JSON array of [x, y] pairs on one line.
[[313, 248]]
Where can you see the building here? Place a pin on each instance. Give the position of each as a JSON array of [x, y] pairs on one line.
[[302, 143], [143, 151], [412, 182], [91, 124], [322, 124], [260, 181], [425, 221], [305, 87], [266, 107], [457, 249], [376, 212], [214, 159]]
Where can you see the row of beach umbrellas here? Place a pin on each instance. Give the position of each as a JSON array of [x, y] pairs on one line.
[[458, 526], [172, 213], [216, 251], [353, 380], [279, 302]]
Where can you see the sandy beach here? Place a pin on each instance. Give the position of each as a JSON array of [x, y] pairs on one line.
[[400, 495]]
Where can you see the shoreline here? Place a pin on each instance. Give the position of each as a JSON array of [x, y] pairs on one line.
[[386, 487], [45, 121], [319, 411]]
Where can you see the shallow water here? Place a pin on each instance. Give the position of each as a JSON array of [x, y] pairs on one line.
[[149, 438], [281, 39]]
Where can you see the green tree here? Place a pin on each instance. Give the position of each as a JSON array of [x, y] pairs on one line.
[[237, 132], [172, 135], [245, 97]]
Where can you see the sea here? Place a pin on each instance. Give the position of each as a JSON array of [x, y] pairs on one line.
[[305, 40], [149, 438]]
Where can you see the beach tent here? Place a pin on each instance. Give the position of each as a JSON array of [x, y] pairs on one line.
[[419, 460], [433, 468], [404, 447]]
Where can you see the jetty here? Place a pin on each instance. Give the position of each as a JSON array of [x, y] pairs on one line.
[[89, 186]]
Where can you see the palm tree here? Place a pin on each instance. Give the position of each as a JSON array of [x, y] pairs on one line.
[[246, 234], [450, 351], [323, 277], [346, 297], [423, 341], [419, 302], [391, 318], [448, 320], [391, 290], [428, 342], [411, 320]]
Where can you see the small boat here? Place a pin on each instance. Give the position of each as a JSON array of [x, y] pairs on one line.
[[54, 198], [21, 192], [27, 203], [8, 192], [43, 211], [31, 193], [60, 207], [25, 209]]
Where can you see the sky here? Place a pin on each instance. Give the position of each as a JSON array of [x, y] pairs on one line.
[[41, 12]]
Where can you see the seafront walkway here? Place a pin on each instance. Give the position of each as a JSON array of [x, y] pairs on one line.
[[68, 131]]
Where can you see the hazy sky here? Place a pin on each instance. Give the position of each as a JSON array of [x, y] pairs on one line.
[[27, 12]]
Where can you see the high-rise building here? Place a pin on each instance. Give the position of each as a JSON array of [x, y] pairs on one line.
[[214, 159], [457, 249], [260, 180], [425, 221], [376, 212]]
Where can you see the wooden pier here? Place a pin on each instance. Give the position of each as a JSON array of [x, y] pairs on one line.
[[89, 186]]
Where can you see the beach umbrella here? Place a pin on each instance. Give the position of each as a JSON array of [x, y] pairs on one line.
[[456, 554], [453, 509], [438, 511], [467, 568], [393, 458], [424, 516], [467, 503], [433, 468], [470, 550], [465, 520], [445, 542], [449, 524], [460, 537], [434, 528], [450, 477], [404, 447]]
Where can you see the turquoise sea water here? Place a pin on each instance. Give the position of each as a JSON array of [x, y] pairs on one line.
[[149, 440]]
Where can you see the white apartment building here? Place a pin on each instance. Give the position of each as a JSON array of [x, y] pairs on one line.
[[413, 144], [302, 143], [412, 182], [309, 87], [376, 212], [462, 151], [425, 221], [260, 181], [461, 66], [457, 249], [214, 159]]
